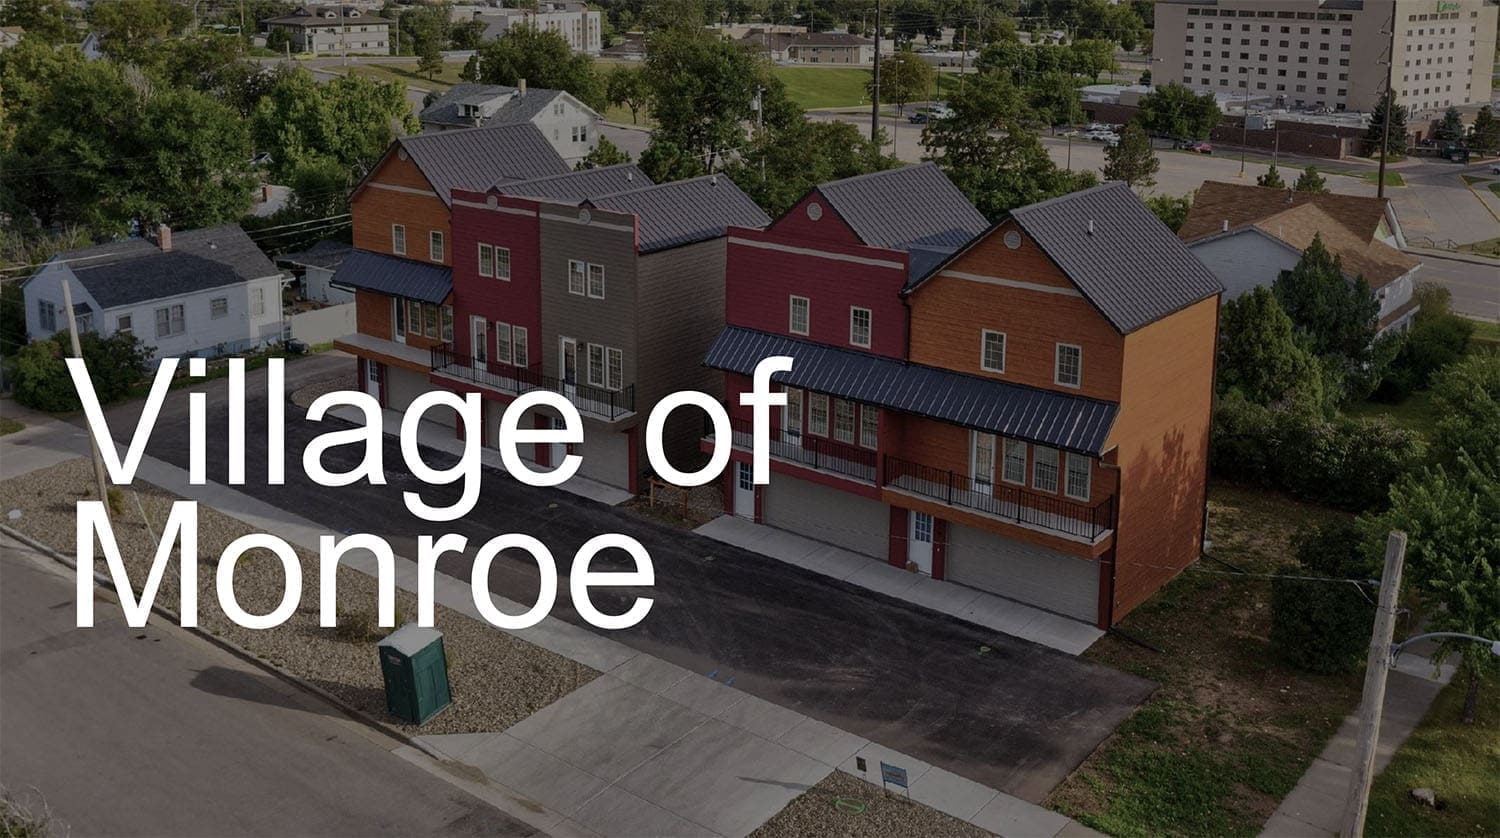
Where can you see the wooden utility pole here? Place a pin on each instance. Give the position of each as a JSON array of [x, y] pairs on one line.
[[1390, 107], [102, 482], [875, 83], [1377, 667]]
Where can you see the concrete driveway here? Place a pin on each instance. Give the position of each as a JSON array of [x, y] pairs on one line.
[[1000, 711]]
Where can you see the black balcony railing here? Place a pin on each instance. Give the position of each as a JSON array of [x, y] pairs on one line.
[[1001, 500], [806, 450], [611, 404]]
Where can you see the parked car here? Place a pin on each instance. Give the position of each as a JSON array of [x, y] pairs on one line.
[[918, 118], [1108, 137], [1495, 168], [1201, 148]]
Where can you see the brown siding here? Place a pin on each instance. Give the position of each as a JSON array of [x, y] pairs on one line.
[[374, 210], [679, 310], [372, 314], [1162, 440]]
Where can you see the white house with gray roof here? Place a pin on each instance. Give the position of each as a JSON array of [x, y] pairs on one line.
[[568, 124], [192, 293]]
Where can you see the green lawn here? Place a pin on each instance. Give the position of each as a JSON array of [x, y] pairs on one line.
[[826, 87], [1231, 729], [1417, 413], [1391, 178], [1495, 187], [407, 73], [1486, 335], [1460, 763], [9, 425], [1488, 247], [1474, 178]]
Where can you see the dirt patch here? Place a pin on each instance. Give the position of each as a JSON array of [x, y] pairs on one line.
[[846, 806], [497, 679], [308, 393]]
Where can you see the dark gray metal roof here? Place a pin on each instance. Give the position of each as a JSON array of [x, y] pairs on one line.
[[478, 158], [395, 276], [327, 253], [135, 270], [685, 211], [576, 187], [1124, 260], [906, 207], [1061, 420], [518, 110]]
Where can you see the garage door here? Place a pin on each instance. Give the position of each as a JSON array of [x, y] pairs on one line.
[[1035, 575], [404, 386], [606, 456], [850, 521]]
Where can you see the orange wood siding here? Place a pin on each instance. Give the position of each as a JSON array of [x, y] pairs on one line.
[[1162, 439], [950, 313], [946, 447], [372, 314], [375, 210]]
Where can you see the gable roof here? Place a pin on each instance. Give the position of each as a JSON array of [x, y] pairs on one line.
[[430, 283], [477, 158], [327, 253], [685, 211], [576, 187], [1376, 261], [135, 270], [1241, 204], [1061, 420], [905, 207], [1117, 253], [517, 110]]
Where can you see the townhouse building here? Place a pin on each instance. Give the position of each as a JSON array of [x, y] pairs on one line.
[[571, 126], [1022, 409], [401, 266], [598, 285], [323, 30]]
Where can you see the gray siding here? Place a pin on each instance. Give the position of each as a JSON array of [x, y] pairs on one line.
[[1034, 575], [680, 310], [1244, 261], [853, 522], [587, 320]]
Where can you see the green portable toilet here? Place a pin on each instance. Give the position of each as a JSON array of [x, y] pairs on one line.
[[416, 673]]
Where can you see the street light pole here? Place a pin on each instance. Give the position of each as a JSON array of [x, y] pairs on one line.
[[875, 83], [1390, 101], [1244, 116]]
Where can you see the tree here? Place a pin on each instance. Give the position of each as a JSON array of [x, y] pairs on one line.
[[1310, 181], [1271, 179], [1174, 110], [422, 27], [278, 41], [604, 153], [1437, 337], [1172, 211], [1132, 158], [1260, 357], [913, 18], [1055, 100], [544, 60], [51, 21], [1485, 136], [1092, 56], [429, 60], [1335, 316], [466, 34], [1451, 128], [625, 86], [41, 378], [779, 167], [904, 77], [1316, 625], [127, 28], [1145, 80], [1376, 131], [663, 161], [351, 119], [1452, 520], [1467, 397]]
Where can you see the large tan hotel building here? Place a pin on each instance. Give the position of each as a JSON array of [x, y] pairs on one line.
[[1329, 53]]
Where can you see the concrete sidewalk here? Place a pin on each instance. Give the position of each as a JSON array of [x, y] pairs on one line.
[[973, 606], [1315, 808]]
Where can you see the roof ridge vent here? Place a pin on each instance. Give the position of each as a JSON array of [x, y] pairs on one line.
[[1091, 226]]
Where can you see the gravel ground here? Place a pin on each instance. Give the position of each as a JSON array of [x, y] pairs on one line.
[[308, 393], [497, 680], [846, 806]]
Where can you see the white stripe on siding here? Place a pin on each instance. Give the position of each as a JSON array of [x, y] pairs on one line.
[[1014, 283], [821, 254]]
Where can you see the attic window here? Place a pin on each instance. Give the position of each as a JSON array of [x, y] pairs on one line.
[[814, 210]]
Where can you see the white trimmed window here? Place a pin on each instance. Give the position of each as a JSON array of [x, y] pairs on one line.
[[859, 326], [124, 323], [1044, 468], [1015, 462], [798, 317], [502, 262], [502, 343], [1079, 471], [992, 351], [430, 320], [1069, 365], [869, 427], [398, 239], [435, 245], [817, 415], [615, 368], [843, 421], [791, 415], [257, 302], [576, 271], [982, 459], [595, 370], [414, 317], [447, 316], [218, 307], [519, 347], [596, 282], [486, 260], [46, 312], [170, 321]]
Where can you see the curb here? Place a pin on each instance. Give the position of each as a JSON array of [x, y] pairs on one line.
[[1452, 256], [1487, 208], [105, 582]]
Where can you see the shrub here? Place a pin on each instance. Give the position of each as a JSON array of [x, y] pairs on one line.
[[115, 364], [1239, 450], [1323, 626], [1437, 338], [1467, 397]]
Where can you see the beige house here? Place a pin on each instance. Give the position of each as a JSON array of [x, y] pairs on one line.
[[324, 30]]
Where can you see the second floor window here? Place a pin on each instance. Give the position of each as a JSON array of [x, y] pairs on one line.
[[869, 427], [1079, 471], [992, 351], [398, 239], [1069, 364], [510, 345], [798, 316], [596, 281], [606, 366], [843, 421], [1044, 468], [447, 323], [435, 246], [859, 326], [1015, 462], [817, 415], [576, 270], [46, 313], [791, 415], [486, 260]]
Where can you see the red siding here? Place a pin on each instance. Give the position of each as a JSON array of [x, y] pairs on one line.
[[828, 228], [518, 301]]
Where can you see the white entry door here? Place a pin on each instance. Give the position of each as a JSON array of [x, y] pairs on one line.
[[372, 379], [744, 491], [559, 449], [919, 541]]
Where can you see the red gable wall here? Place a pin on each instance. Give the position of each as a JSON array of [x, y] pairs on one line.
[[518, 301]]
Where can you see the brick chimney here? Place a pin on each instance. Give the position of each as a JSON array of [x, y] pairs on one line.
[[164, 237], [521, 85]]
